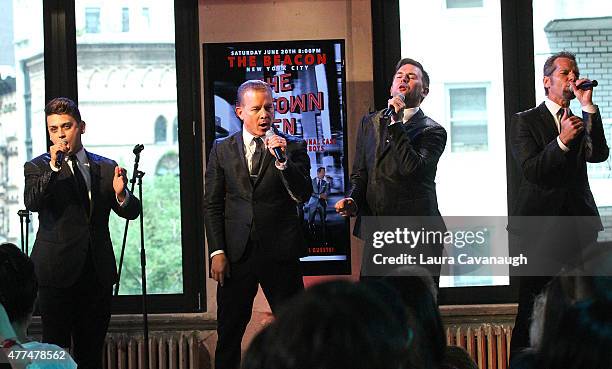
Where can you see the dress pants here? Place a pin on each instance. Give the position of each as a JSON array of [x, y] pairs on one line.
[[80, 312], [280, 280]]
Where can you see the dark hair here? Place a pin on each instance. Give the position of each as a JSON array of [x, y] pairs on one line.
[[320, 169], [424, 317], [405, 61], [252, 84], [549, 64], [332, 325], [585, 340], [63, 105], [18, 285]]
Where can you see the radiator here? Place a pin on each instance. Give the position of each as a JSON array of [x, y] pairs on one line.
[[178, 351], [488, 345]]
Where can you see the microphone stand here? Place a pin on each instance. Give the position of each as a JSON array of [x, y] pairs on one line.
[[24, 214], [137, 177]]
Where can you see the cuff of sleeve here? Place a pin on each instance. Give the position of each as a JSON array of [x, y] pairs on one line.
[[280, 166], [591, 109], [125, 201], [53, 168], [561, 145], [214, 253]]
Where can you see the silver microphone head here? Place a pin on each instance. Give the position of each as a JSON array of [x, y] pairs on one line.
[[270, 133]]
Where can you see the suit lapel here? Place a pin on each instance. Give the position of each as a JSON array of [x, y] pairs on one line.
[[264, 166], [243, 168], [95, 179], [380, 135], [548, 122]]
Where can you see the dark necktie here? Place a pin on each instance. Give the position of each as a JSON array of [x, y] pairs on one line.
[[81, 185], [257, 157], [319, 186], [559, 116]]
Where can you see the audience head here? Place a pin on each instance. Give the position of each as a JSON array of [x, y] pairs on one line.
[[585, 340], [332, 325], [417, 290], [18, 286]]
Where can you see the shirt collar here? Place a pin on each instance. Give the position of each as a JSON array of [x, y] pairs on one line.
[[82, 156], [552, 106], [409, 113], [247, 137]]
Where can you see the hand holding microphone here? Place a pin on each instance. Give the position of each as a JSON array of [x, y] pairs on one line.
[[58, 152], [396, 104], [277, 145]]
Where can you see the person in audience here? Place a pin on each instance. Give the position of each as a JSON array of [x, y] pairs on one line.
[[417, 290], [18, 290], [336, 325], [456, 357], [584, 340]]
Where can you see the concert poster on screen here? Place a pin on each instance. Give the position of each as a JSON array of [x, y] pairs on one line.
[[308, 80]]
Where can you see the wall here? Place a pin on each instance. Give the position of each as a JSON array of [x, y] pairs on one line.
[[261, 20]]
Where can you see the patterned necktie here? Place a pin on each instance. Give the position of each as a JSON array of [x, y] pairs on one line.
[[81, 185], [257, 156]]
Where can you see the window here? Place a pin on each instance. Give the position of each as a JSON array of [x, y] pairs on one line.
[[122, 89], [92, 20], [451, 4], [125, 19], [472, 168], [160, 129], [468, 118], [146, 17], [583, 28], [134, 88], [22, 119], [175, 131]]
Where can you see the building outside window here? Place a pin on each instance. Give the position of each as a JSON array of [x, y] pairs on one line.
[[468, 118], [92, 20]]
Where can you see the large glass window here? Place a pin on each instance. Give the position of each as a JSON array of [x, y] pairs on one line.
[[22, 100], [464, 60], [125, 88], [583, 27]]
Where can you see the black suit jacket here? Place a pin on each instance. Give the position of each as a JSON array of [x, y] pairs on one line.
[[394, 169], [552, 181], [235, 209], [65, 231]]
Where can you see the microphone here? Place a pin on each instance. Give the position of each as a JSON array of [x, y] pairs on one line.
[[387, 113], [138, 148], [278, 153], [588, 85], [59, 156]]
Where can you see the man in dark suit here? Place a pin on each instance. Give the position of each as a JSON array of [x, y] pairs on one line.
[[253, 230], [73, 192], [396, 156], [551, 147], [318, 200]]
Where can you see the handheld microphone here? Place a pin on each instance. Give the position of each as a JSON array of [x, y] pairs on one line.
[[387, 113], [278, 153], [588, 85], [59, 156]]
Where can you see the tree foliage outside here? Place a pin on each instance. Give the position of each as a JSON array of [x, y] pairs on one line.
[[162, 229]]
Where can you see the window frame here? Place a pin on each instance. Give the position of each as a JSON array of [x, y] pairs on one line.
[[61, 80]]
